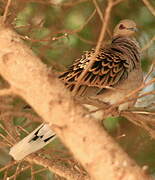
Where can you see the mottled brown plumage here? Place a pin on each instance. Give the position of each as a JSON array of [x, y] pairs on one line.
[[115, 65]]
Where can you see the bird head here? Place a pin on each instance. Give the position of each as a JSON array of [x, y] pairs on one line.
[[125, 27]]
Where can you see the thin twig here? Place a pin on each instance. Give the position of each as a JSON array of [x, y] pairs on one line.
[[86, 22], [144, 112], [149, 73], [117, 2], [19, 171], [6, 140], [101, 15], [130, 95], [99, 42], [32, 172], [39, 171], [148, 44], [142, 121], [8, 133], [5, 92], [68, 4], [65, 32], [85, 40], [5, 175], [149, 6], [146, 94], [6, 10], [8, 165], [98, 10]]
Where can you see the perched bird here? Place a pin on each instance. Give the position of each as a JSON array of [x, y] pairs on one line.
[[117, 65]]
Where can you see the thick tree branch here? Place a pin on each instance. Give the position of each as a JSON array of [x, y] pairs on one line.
[[88, 142], [66, 172]]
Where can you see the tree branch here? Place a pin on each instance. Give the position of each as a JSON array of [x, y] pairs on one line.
[[66, 172], [149, 6]]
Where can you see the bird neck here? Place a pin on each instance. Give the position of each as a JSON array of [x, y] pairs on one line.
[[126, 42], [119, 38], [129, 47]]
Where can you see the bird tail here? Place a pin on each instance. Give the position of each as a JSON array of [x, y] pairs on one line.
[[33, 142]]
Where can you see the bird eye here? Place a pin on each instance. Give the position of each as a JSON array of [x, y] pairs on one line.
[[121, 26]]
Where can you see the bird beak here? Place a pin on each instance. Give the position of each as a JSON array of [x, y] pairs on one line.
[[133, 29]]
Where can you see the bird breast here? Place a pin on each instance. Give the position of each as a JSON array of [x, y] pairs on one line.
[[134, 80]]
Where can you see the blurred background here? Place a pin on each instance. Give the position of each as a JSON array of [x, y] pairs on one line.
[[59, 31]]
